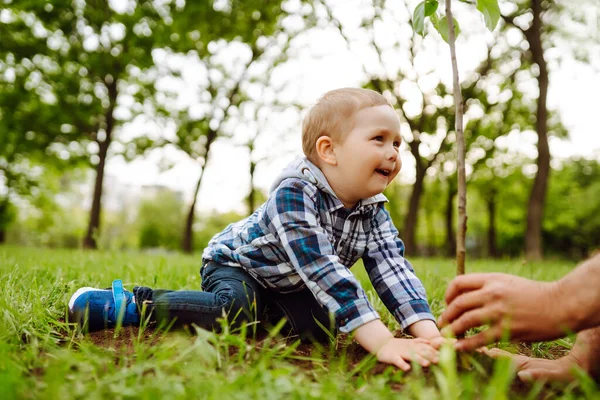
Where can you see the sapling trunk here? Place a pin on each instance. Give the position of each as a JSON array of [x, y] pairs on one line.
[[460, 146]]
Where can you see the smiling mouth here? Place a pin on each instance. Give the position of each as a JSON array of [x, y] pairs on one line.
[[384, 172]]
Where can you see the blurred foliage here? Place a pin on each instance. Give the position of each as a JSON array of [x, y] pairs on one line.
[[51, 215], [73, 72], [8, 213], [70, 73], [571, 221], [49, 225], [152, 224], [66, 66], [209, 225], [159, 221]]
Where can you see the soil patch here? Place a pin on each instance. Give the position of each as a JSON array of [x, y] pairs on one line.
[[309, 357]]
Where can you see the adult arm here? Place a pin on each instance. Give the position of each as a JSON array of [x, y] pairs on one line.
[[523, 309]]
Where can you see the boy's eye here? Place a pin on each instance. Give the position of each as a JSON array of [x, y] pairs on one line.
[[378, 138], [396, 144]]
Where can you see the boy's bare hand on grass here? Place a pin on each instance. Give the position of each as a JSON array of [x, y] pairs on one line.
[[401, 352]]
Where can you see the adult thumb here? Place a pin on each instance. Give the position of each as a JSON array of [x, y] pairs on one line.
[[538, 374]]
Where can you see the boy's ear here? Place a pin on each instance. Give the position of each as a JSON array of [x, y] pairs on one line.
[[325, 150]]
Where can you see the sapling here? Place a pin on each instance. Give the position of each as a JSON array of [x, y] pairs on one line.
[[448, 28]]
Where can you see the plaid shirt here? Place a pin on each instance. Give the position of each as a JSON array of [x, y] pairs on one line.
[[303, 237]]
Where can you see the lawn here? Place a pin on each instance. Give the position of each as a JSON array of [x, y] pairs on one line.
[[42, 356]]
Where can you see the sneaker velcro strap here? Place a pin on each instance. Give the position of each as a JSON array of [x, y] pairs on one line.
[[118, 296]]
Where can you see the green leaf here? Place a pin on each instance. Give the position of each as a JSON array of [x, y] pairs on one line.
[[430, 7], [419, 18], [490, 11], [443, 29]]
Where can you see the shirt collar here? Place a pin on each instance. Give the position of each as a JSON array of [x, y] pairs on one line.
[[313, 174]]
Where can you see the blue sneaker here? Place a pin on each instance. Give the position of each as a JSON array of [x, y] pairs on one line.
[[96, 309]]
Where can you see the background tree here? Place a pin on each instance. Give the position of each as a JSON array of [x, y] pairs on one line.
[[28, 127], [79, 63], [228, 71], [422, 99], [448, 28], [257, 126], [544, 24]]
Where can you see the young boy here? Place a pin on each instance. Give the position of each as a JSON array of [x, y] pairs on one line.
[[292, 255]]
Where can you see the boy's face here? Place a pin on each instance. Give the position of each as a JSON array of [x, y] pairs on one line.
[[368, 158]]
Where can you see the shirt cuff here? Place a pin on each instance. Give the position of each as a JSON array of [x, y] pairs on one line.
[[413, 311], [355, 314]]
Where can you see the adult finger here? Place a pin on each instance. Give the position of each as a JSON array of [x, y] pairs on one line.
[[547, 374], [496, 352], [532, 375], [464, 283], [481, 339], [470, 319], [459, 305]]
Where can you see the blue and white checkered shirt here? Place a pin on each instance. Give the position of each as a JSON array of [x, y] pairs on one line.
[[303, 237]]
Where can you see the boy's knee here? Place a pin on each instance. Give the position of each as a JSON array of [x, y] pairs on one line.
[[305, 317], [240, 306]]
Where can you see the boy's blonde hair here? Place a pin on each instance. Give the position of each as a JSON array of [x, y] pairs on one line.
[[332, 116]]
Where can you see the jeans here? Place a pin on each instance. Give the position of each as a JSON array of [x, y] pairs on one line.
[[232, 293]]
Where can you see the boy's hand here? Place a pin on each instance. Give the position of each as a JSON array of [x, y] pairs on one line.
[[438, 341], [400, 352]]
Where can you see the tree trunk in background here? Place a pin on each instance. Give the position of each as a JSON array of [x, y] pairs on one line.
[[4, 218], [188, 235], [535, 211], [187, 242], [450, 234], [491, 206], [252, 194], [89, 242], [410, 222]]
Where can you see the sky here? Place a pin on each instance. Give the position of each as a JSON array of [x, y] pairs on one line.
[[323, 62]]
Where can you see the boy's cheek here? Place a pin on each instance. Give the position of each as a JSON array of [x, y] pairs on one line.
[[396, 171]]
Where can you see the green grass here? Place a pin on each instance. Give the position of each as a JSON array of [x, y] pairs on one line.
[[42, 356]]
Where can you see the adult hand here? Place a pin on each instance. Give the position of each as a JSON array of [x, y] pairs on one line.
[[529, 369], [527, 310]]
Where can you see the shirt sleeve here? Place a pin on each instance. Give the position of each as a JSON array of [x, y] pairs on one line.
[[392, 275], [294, 219]]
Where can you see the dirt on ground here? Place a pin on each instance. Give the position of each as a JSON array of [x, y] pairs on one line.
[[304, 355]]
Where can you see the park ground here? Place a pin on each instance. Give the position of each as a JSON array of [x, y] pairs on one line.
[[42, 356]]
